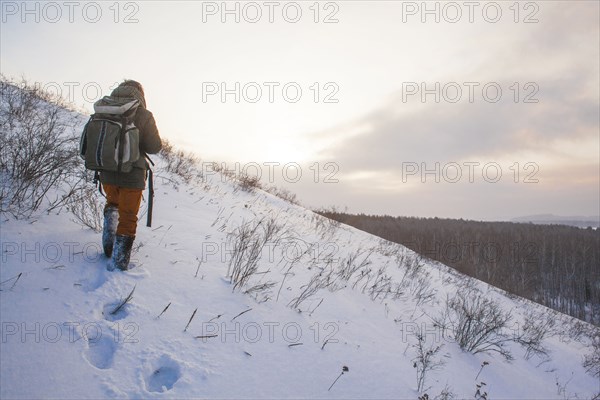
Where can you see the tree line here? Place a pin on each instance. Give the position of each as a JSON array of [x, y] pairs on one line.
[[555, 265]]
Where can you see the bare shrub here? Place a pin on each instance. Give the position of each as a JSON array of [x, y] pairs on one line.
[[325, 225], [87, 208], [39, 146], [536, 328], [410, 266], [261, 291], [445, 394], [243, 180], [248, 182], [248, 242], [425, 359], [223, 170], [578, 331], [179, 162], [351, 264], [591, 361], [314, 285], [381, 286], [415, 278], [422, 290], [477, 323], [284, 194], [327, 277], [167, 149]]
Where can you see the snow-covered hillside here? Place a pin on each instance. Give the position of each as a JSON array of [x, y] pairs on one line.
[[259, 298], [60, 340]]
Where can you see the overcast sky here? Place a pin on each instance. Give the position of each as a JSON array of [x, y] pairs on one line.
[[480, 110]]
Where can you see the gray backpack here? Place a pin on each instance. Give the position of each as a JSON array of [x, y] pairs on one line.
[[110, 140]]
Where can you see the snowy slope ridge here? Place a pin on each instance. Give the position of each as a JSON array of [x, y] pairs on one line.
[[238, 294], [322, 296]]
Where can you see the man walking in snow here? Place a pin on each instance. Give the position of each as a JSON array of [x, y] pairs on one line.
[[124, 189]]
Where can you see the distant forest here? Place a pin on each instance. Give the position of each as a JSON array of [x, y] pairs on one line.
[[555, 265]]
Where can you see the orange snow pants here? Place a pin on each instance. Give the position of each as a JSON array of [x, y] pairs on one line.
[[127, 201]]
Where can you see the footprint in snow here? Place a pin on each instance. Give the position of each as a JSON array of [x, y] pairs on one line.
[[94, 277], [165, 373], [115, 311], [137, 271], [101, 351]]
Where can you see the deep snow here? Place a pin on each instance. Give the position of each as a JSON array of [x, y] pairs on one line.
[[59, 339]]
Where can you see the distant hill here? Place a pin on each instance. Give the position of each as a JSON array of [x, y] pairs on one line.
[[549, 219]]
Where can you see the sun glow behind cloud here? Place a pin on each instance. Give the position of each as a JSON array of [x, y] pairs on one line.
[[369, 54]]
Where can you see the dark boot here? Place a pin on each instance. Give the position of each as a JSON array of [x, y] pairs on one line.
[[122, 252], [111, 219]]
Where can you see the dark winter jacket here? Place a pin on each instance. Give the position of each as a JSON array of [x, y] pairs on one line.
[[150, 143]]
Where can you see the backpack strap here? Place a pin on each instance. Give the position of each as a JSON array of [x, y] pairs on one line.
[[150, 196], [149, 160], [98, 183]]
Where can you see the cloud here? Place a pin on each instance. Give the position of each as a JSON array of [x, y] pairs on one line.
[[454, 132], [554, 62], [560, 133]]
